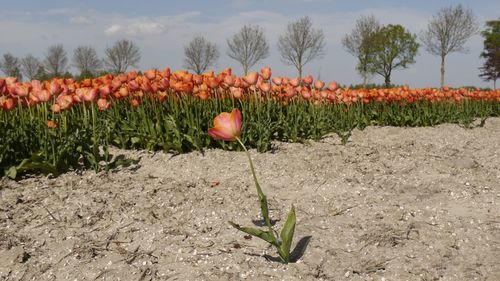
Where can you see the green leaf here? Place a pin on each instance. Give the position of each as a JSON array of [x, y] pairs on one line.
[[287, 236], [264, 235], [11, 172], [135, 140]]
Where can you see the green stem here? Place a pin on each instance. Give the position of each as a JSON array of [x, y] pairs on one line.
[[262, 198]]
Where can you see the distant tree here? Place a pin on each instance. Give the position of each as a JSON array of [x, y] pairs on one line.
[[490, 71], [359, 43], [448, 32], [200, 54], [56, 61], [301, 43], [86, 61], [122, 55], [11, 66], [394, 48], [32, 68], [248, 46]]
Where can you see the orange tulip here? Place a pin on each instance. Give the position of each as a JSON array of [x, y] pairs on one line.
[[294, 82], [265, 73], [277, 80], [236, 92], [89, 95], [55, 108], [332, 86], [229, 80], [227, 126], [150, 74], [318, 84], [103, 104], [7, 104], [135, 102], [51, 124], [43, 96], [133, 85], [55, 87], [131, 75], [308, 79], [265, 87], [251, 78]]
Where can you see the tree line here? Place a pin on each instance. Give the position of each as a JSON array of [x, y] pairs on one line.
[[118, 58], [379, 49]]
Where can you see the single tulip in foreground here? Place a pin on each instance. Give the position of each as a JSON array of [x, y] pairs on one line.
[[227, 127]]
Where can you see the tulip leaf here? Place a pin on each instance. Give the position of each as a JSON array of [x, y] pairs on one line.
[[287, 236], [264, 235]]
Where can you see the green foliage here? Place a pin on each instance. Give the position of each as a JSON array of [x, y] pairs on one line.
[[394, 48], [180, 124], [491, 53], [360, 43]]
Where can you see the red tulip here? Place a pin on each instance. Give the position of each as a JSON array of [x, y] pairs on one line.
[[227, 126]]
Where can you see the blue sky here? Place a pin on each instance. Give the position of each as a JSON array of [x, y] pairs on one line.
[[162, 28]]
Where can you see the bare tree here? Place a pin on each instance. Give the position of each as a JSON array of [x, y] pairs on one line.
[[32, 68], [448, 32], [248, 46], [56, 61], [200, 54], [122, 55], [11, 66], [360, 41], [301, 43], [86, 61]]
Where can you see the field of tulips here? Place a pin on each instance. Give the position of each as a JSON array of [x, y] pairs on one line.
[[62, 124]]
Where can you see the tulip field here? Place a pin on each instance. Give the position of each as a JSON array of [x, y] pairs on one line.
[[61, 124]]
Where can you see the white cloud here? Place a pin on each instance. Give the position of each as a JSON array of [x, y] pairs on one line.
[[80, 20], [145, 28], [114, 29], [136, 27]]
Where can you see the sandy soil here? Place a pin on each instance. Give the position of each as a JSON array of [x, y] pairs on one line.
[[392, 204]]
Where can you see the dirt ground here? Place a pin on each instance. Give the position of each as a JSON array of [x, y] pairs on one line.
[[392, 204]]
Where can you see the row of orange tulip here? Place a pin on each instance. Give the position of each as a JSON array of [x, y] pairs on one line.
[[158, 84]]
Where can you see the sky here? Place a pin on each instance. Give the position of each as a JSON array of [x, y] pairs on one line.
[[162, 28]]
